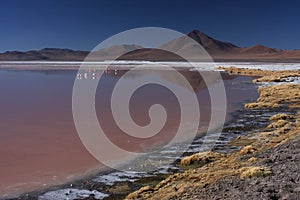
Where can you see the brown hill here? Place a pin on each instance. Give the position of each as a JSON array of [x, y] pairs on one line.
[[113, 51], [47, 54], [257, 49]]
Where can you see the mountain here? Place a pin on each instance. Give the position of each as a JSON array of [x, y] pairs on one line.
[[210, 44], [183, 46], [218, 50], [112, 51], [55, 54], [226, 51], [47, 54], [258, 49]]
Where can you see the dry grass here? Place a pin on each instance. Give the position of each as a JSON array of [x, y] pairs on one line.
[[248, 149], [267, 75], [275, 96], [278, 124], [282, 116], [250, 172], [200, 158], [285, 127], [261, 105], [252, 159], [135, 195]]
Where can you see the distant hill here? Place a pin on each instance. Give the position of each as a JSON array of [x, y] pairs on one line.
[[47, 54], [258, 49], [111, 52], [218, 50]]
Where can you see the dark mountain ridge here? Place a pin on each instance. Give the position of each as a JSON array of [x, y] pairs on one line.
[[218, 50]]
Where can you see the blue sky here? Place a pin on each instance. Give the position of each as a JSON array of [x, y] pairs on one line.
[[36, 24]]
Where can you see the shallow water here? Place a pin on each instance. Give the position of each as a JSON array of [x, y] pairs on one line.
[[39, 145]]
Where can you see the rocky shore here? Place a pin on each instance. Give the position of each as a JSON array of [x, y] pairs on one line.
[[267, 164]]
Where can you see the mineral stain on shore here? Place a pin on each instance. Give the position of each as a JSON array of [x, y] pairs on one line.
[[267, 164]]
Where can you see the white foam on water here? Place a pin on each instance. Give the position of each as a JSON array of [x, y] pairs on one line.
[[262, 66], [166, 169], [112, 178], [70, 194], [288, 80], [156, 65], [293, 80]]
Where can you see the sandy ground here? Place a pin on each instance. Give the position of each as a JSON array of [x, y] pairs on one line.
[[265, 167]]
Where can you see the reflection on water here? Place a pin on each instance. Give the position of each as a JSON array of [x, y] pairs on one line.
[[39, 145], [194, 77]]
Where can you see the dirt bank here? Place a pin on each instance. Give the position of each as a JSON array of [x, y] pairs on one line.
[[267, 164]]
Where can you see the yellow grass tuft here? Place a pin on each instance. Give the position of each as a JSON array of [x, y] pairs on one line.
[[252, 159], [281, 116], [261, 105], [278, 124], [250, 172], [135, 195], [200, 158], [247, 150]]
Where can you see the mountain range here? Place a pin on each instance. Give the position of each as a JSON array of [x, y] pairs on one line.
[[218, 50]]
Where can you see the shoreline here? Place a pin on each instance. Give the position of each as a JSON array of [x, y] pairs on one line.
[[129, 64], [126, 187], [249, 170], [123, 188]]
